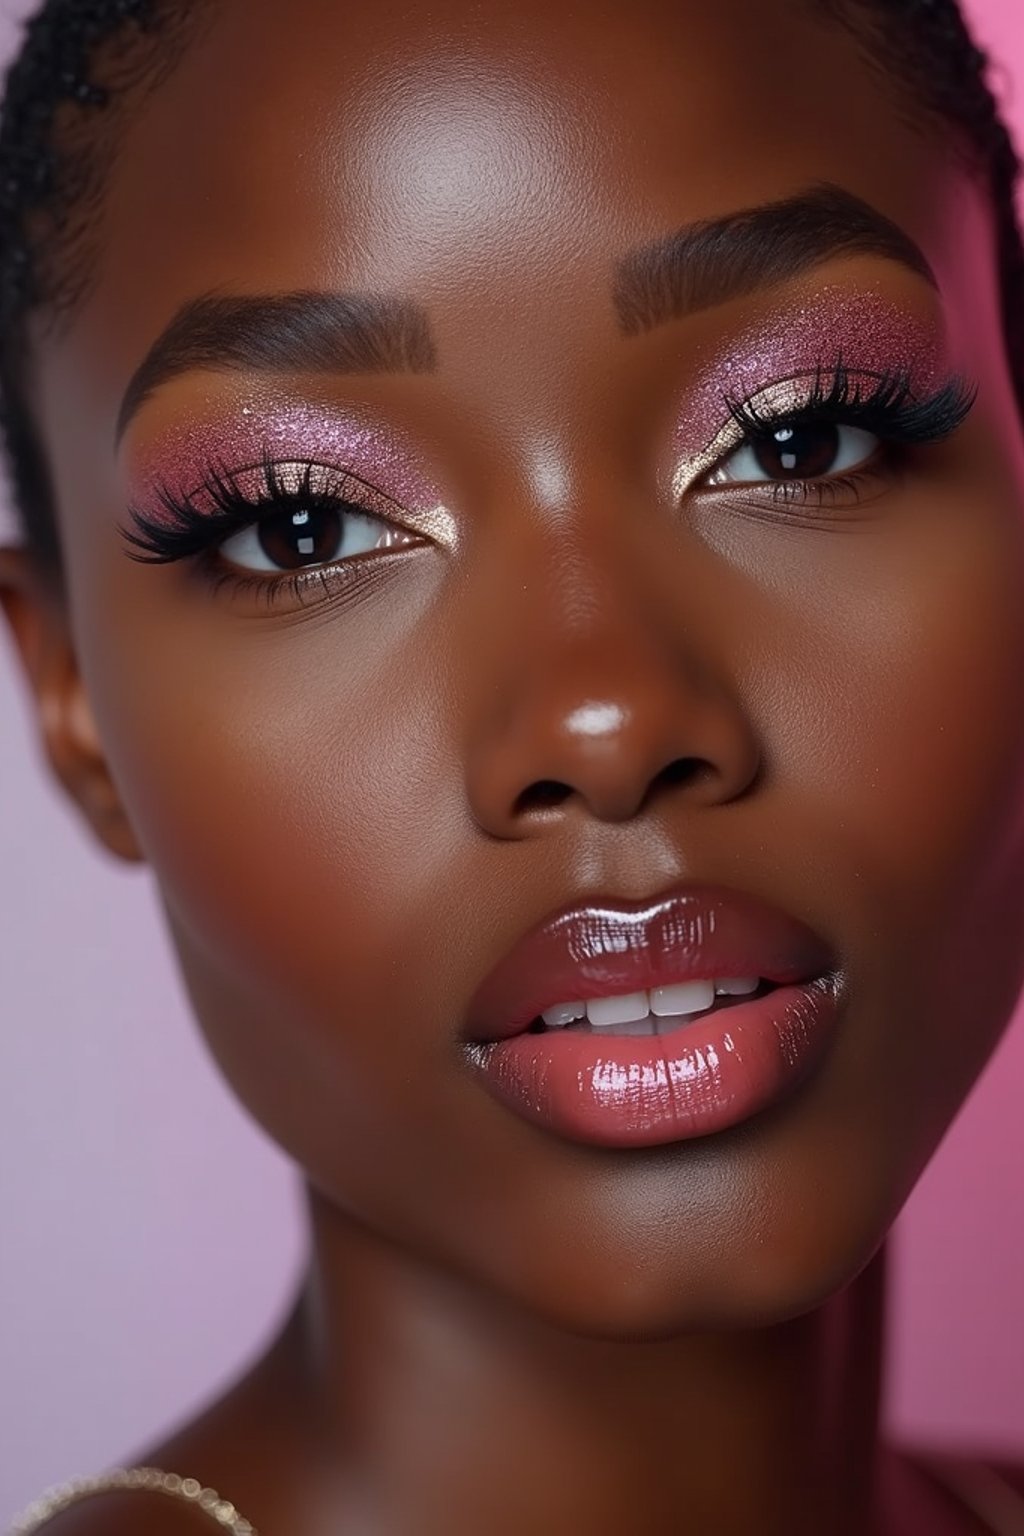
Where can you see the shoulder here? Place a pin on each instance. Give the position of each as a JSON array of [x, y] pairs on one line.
[[980, 1478], [1011, 1471], [977, 1464]]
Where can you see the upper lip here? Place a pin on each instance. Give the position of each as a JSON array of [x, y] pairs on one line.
[[606, 946]]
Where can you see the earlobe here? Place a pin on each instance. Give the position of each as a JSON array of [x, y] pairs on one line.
[[66, 725]]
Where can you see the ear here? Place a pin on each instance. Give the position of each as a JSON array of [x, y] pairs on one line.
[[64, 718]]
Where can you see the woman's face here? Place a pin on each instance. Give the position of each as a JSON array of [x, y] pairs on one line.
[[603, 653]]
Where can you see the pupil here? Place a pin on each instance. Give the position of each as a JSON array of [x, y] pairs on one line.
[[799, 453], [301, 536]]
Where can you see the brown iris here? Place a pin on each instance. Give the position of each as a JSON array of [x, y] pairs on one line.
[[302, 536], [798, 452]]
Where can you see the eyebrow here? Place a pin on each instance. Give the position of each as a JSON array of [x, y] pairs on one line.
[[709, 263], [303, 332]]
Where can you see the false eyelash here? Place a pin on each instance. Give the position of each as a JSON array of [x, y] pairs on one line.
[[887, 406], [187, 529]]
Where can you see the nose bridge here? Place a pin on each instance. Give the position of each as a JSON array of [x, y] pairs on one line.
[[597, 680]]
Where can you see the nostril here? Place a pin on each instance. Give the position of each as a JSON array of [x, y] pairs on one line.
[[681, 771], [544, 795], [548, 794]]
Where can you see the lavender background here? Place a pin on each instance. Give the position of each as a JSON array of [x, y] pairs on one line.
[[152, 1237]]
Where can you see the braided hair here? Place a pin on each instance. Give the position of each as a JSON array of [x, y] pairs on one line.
[[83, 63]]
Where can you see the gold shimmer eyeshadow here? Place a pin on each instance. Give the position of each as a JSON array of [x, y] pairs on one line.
[[182, 458], [866, 333]]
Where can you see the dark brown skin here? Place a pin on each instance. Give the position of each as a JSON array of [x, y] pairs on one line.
[[504, 1332]]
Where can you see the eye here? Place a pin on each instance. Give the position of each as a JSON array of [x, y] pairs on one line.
[[797, 451], [297, 536]]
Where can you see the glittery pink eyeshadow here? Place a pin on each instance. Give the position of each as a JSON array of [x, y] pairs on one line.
[[182, 457], [865, 331]]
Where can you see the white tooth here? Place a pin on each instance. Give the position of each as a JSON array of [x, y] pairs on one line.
[[563, 1013], [618, 1010], [737, 986], [645, 1026], [684, 997]]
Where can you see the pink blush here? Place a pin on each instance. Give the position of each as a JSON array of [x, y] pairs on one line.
[[181, 458], [865, 331]]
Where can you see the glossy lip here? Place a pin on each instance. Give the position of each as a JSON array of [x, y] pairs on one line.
[[607, 947], [706, 1075]]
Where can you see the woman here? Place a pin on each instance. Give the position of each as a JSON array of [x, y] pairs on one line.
[[522, 533]]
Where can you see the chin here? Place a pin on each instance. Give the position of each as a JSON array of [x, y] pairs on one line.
[[658, 1312], [687, 1280]]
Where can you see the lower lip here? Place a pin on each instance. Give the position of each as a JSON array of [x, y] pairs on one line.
[[710, 1073]]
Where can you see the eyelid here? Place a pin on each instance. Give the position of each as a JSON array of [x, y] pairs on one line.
[[781, 397], [176, 465], [256, 482], [435, 524], [240, 499]]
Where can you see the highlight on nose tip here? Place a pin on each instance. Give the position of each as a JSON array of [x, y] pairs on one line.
[[608, 758], [596, 719]]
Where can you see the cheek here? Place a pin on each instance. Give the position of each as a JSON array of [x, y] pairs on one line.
[[917, 756], [899, 747], [893, 699], [884, 661], [292, 785]]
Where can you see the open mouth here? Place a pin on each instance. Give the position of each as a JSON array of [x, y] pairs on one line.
[[659, 1011]]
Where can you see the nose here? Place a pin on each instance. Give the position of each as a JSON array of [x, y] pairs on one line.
[[602, 707]]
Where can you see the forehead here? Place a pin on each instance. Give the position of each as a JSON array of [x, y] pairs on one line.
[[490, 162]]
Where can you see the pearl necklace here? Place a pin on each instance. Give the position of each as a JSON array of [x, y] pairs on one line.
[[57, 1498]]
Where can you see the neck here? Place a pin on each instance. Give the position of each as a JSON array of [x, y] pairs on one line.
[[442, 1408]]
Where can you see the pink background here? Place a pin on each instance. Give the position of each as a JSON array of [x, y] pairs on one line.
[[152, 1237]]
